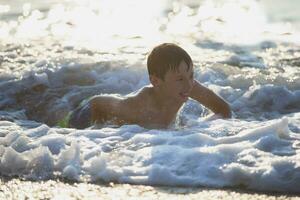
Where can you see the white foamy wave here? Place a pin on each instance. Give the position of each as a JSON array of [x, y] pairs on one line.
[[267, 100], [264, 157]]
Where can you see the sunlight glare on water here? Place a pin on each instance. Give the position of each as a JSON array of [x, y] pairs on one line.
[[238, 21], [97, 23], [110, 24]]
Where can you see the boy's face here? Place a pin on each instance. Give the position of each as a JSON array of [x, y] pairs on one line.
[[178, 84]]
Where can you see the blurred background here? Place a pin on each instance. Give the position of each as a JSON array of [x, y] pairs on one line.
[[110, 23]]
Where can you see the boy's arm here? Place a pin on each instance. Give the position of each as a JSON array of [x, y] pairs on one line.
[[210, 100]]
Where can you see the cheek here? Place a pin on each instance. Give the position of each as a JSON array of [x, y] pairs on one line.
[[178, 85], [175, 89], [172, 87]]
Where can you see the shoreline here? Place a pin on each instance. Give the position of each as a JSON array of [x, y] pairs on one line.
[[15, 188]]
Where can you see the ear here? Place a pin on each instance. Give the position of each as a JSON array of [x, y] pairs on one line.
[[155, 81]]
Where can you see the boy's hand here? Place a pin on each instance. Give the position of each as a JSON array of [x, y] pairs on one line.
[[210, 100]]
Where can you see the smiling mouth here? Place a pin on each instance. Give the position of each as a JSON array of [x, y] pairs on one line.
[[184, 95]]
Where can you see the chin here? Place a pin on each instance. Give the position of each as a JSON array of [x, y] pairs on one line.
[[183, 98]]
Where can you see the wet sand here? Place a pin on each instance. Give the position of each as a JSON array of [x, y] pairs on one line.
[[56, 189]]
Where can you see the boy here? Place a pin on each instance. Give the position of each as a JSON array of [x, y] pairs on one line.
[[170, 71]]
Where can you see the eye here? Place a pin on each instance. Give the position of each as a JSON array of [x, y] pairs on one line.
[[180, 79]]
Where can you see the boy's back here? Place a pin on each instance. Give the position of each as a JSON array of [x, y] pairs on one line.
[[137, 109]]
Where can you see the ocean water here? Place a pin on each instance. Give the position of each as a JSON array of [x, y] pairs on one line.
[[54, 54]]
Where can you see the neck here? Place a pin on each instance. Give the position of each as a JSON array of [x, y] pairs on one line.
[[163, 102]]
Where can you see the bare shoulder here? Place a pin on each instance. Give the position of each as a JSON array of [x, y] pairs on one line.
[[139, 97], [121, 109], [104, 107], [104, 100]]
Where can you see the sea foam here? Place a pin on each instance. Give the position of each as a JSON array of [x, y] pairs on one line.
[[262, 158]]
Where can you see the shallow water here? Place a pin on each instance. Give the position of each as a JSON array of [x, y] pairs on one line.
[[54, 55]]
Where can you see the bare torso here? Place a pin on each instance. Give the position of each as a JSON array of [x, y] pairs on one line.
[[140, 109]]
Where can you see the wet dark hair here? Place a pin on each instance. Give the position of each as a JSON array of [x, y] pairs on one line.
[[165, 57]]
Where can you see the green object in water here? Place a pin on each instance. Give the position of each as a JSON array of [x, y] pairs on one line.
[[64, 123]]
